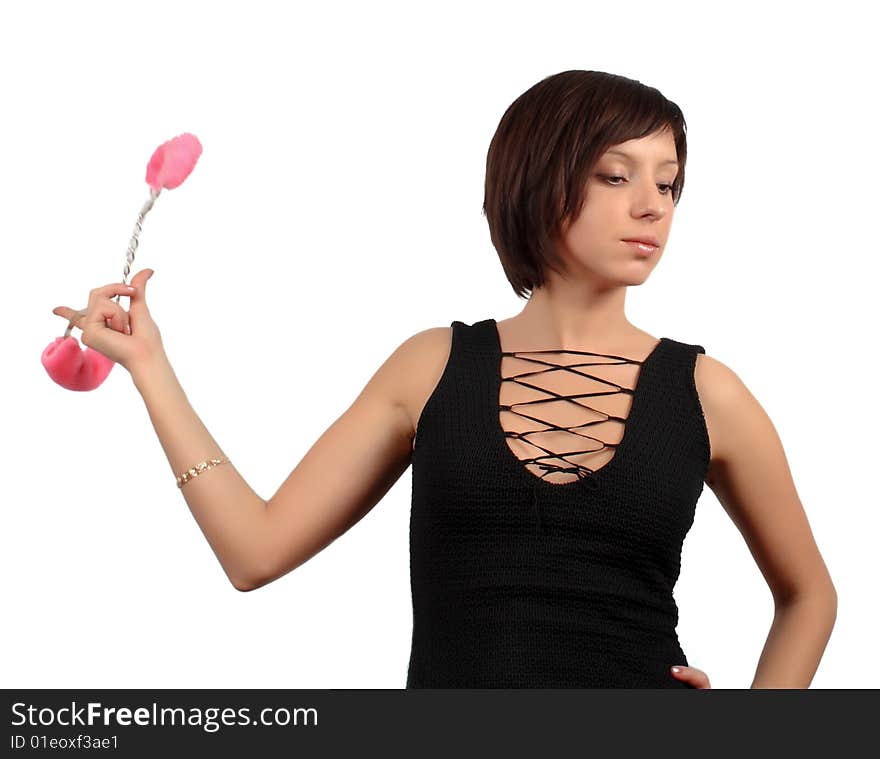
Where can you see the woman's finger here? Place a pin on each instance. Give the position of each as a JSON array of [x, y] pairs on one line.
[[68, 313], [691, 675], [110, 291], [73, 318], [106, 313], [107, 292]]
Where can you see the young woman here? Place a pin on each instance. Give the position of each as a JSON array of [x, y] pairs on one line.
[[557, 455]]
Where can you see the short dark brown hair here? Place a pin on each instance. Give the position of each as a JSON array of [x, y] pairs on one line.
[[546, 144]]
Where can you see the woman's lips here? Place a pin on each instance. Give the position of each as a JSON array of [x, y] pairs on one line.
[[641, 247]]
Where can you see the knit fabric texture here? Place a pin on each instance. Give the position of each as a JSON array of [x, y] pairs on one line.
[[521, 582]]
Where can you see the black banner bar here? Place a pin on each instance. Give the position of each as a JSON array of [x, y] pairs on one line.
[[432, 722]]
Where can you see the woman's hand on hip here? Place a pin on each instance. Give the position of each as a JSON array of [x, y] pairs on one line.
[[694, 677]]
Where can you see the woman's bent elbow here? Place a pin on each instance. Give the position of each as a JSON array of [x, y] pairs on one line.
[[246, 586], [252, 583]]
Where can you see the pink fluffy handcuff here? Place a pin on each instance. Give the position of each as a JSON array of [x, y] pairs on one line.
[[64, 360]]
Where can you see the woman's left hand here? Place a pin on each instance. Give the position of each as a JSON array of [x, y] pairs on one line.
[[694, 677]]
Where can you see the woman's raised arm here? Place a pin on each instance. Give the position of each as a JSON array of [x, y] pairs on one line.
[[344, 474]]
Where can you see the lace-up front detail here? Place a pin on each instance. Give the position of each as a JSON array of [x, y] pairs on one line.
[[566, 419]]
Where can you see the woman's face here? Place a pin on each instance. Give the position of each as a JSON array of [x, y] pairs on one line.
[[637, 204]]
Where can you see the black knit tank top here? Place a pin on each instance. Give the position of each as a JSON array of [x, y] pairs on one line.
[[552, 565]]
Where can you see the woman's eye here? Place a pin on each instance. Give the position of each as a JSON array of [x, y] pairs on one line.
[[667, 187]]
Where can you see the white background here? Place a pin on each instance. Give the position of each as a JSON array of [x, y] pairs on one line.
[[335, 211]]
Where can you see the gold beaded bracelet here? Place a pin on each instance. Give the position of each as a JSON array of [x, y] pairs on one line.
[[198, 469]]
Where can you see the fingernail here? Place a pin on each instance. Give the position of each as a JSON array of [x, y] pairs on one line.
[[676, 669], [127, 329]]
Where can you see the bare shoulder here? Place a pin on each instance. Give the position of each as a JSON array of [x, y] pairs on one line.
[[415, 368], [726, 403], [750, 475]]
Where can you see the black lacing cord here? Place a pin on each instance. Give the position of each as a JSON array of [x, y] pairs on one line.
[[580, 470]]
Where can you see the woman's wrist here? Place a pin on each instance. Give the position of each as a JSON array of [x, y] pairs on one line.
[[147, 371]]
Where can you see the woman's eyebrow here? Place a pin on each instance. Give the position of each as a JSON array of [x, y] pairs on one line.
[[627, 155]]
